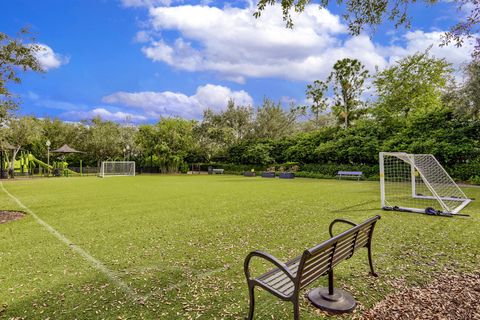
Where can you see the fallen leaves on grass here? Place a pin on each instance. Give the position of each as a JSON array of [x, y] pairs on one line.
[[449, 296]]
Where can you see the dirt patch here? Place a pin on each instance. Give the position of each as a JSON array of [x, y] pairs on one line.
[[449, 296], [7, 216]]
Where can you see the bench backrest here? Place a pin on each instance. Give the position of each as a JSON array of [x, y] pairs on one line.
[[320, 259], [353, 173]]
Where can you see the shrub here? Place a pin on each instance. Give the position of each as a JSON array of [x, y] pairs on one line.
[[475, 180]]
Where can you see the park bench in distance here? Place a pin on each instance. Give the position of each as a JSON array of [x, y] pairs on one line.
[[215, 171], [287, 279], [349, 174]]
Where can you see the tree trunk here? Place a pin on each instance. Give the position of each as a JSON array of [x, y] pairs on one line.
[[12, 164]]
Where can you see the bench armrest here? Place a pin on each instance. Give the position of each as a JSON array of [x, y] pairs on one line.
[[330, 229], [280, 265]]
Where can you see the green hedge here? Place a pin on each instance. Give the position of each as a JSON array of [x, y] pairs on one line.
[[331, 169], [462, 172]]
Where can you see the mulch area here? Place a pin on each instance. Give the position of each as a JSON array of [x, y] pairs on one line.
[[7, 216], [449, 296]]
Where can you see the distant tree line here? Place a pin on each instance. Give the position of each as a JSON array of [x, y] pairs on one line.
[[415, 105]]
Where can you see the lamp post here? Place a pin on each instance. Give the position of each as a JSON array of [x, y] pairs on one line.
[[48, 144]]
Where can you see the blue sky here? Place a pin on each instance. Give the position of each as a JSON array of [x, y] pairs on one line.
[[138, 60]]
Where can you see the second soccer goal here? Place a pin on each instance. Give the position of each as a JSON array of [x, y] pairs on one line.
[[117, 168], [418, 183]]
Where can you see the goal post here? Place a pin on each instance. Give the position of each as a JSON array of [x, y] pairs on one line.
[[117, 169], [418, 183]]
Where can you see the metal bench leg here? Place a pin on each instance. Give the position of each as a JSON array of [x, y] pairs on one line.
[[296, 310], [370, 261], [251, 293]]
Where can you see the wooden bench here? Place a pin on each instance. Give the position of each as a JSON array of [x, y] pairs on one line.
[[349, 174], [218, 171], [288, 279]]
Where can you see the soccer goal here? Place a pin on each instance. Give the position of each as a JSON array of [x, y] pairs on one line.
[[117, 168], [418, 183]]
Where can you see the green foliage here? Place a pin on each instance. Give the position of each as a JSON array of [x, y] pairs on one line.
[[174, 138], [475, 180], [348, 78], [358, 14], [410, 88], [464, 171], [272, 122], [16, 55], [20, 132], [103, 140], [465, 99], [413, 113], [317, 93]]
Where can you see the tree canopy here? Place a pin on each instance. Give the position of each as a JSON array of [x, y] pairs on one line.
[[16, 55]]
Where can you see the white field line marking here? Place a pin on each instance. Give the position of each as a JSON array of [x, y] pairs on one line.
[[185, 282], [93, 261]]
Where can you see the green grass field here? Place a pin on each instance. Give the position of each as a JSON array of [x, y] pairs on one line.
[[179, 242]]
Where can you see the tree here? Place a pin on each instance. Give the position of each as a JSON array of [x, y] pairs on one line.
[[414, 85], [316, 92], [238, 118], [219, 130], [361, 14], [170, 140], [348, 77], [16, 55], [103, 140], [467, 28], [273, 122], [230, 125], [465, 99], [20, 132]]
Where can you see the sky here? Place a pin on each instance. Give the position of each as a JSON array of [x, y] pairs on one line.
[[139, 60]]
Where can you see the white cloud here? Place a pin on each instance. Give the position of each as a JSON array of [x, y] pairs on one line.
[[166, 103], [231, 42], [105, 114], [418, 40], [48, 59], [142, 36]]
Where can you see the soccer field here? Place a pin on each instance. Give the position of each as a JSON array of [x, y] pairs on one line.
[[177, 244]]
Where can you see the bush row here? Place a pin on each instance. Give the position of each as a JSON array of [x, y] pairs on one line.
[[462, 172]]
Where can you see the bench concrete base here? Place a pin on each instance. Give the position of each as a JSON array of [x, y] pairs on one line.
[[339, 302]]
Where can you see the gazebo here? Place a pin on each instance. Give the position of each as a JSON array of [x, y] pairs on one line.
[[66, 149]]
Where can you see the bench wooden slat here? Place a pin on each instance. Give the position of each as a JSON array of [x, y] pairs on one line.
[[319, 260]]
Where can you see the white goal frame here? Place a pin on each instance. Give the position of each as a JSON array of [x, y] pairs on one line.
[[404, 177], [127, 166]]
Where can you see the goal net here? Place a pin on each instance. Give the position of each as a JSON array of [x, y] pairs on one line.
[[117, 168], [418, 183]]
